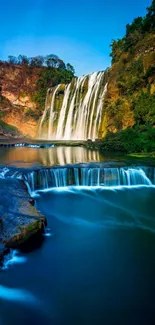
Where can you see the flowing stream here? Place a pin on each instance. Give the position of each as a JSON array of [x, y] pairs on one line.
[[95, 263]]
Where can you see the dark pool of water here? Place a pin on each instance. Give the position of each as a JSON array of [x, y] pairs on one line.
[[97, 267]]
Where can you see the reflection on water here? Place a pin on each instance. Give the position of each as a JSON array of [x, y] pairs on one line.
[[26, 157], [47, 156], [68, 155]]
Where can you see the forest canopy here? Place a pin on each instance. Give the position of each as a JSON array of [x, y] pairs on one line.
[[135, 32]]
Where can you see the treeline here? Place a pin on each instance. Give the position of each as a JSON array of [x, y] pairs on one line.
[[134, 33], [50, 60]]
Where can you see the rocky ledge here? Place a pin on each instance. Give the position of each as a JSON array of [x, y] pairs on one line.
[[19, 220]]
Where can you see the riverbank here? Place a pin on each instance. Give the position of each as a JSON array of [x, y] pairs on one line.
[[5, 141], [137, 140], [98, 150]]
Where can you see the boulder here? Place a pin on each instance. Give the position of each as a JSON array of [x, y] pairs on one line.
[[19, 219]]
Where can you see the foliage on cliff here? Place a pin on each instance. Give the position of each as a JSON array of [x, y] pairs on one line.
[[8, 130], [130, 99], [50, 77], [23, 86]]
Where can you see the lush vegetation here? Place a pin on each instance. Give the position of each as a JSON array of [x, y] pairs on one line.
[[50, 77], [135, 32], [35, 76], [129, 112], [138, 139]]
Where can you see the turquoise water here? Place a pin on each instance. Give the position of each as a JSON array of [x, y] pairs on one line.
[[95, 263]]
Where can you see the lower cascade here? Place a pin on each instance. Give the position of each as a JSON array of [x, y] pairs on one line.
[[74, 111], [89, 176], [81, 175]]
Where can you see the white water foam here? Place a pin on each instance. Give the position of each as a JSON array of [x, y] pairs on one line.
[[80, 114], [13, 258]]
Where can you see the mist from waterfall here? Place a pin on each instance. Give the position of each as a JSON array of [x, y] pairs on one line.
[[74, 111]]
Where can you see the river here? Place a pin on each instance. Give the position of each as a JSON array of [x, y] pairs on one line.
[[96, 262]]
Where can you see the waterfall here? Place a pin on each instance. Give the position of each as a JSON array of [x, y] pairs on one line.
[[74, 112], [89, 176], [59, 132], [81, 175], [52, 115], [44, 114]]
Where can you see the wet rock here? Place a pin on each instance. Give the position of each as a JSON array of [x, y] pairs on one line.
[[19, 219], [3, 251], [89, 141]]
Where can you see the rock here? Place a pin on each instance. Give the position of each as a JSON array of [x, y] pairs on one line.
[[3, 251], [97, 140], [89, 141], [19, 218]]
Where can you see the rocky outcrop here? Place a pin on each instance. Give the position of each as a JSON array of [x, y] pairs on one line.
[[18, 85], [19, 220]]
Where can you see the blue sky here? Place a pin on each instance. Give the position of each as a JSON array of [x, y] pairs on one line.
[[78, 31]]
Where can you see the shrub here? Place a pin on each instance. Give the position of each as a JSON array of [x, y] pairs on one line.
[[138, 139]]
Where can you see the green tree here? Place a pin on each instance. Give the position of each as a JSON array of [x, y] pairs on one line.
[[12, 59], [36, 61], [144, 108], [149, 22], [50, 77], [23, 60], [70, 68], [117, 49]]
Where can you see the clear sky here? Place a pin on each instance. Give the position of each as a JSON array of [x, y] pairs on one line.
[[78, 31]]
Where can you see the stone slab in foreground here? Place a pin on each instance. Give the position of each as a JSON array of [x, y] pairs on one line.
[[19, 219]]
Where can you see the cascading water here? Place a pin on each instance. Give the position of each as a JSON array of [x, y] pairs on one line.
[[52, 114], [74, 112], [89, 176], [81, 175]]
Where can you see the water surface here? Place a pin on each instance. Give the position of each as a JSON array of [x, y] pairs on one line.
[[96, 267], [28, 157], [96, 263]]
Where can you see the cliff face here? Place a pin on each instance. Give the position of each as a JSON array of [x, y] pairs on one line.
[[18, 85], [23, 89], [130, 95]]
